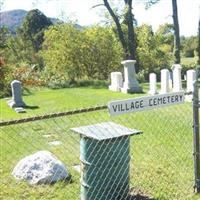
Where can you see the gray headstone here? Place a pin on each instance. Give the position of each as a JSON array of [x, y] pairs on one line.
[[16, 100]]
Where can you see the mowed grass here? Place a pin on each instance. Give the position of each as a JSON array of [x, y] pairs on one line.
[[43, 100], [161, 157]]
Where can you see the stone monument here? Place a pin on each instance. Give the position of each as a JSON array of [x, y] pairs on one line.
[[16, 100], [164, 81], [116, 81], [177, 84], [130, 84], [191, 77], [152, 84]]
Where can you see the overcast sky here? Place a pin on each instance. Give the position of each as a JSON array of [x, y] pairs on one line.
[[80, 10]]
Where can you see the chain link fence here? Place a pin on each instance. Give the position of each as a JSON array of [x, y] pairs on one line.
[[157, 164]]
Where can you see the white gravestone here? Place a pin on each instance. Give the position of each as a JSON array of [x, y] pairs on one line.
[[164, 81], [16, 100], [152, 84], [177, 84], [130, 84], [191, 77], [116, 81]]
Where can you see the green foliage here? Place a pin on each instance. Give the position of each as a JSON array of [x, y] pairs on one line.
[[71, 54], [33, 27], [103, 53], [6, 77], [165, 35], [19, 51], [152, 54], [61, 53], [189, 45], [188, 63], [22, 49], [4, 34]]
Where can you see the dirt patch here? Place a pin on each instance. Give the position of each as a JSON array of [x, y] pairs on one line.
[[139, 194]]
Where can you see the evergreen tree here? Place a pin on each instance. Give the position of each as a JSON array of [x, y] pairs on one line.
[[33, 28]]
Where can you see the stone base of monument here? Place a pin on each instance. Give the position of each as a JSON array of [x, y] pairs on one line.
[[14, 104], [114, 88], [20, 110], [131, 90]]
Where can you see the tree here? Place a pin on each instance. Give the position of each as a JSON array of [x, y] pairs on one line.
[[189, 45], [151, 51], [176, 33], [126, 38], [71, 54], [165, 31], [33, 28], [198, 48], [4, 34], [177, 46]]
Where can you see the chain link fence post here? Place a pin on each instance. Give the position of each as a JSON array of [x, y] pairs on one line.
[[196, 134]]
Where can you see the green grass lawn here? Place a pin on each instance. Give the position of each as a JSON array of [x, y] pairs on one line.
[[161, 157], [49, 101]]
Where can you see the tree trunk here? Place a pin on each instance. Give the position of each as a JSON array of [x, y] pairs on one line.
[[129, 44], [131, 34], [119, 28], [198, 48], [176, 33]]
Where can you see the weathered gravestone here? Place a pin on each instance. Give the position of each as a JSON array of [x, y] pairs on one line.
[[191, 77], [152, 84], [130, 84], [41, 167], [116, 81], [16, 100], [164, 81], [177, 84]]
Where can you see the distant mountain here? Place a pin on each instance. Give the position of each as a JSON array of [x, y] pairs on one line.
[[13, 19]]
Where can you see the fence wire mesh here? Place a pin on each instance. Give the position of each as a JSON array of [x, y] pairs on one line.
[[155, 164]]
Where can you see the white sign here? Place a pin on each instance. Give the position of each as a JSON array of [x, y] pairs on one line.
[[145, 103]]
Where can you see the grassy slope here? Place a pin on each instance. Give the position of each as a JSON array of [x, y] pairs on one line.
[[161, 156]]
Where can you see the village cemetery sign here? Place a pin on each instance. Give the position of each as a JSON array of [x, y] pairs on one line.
[[145, 103]]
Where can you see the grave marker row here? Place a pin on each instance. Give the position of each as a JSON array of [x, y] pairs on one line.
[[168, 84]]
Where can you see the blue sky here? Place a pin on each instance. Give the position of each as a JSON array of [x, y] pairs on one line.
[[80, 11]]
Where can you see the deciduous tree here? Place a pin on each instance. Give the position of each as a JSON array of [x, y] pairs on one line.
[[177, 46]]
